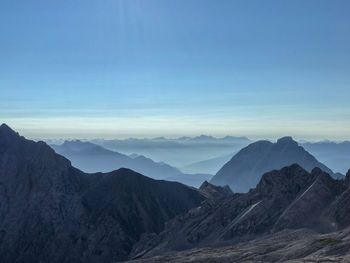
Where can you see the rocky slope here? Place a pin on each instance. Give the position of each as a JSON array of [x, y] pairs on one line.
[[292, 246], [244, 170], [53, 212], [290, 198]]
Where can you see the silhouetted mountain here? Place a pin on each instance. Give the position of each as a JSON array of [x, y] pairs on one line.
[[336, 155], [91, 158], [244, 170], [53, 212], [178, 152], [290, 198]]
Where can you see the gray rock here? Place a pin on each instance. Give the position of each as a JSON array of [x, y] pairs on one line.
[[290, 198]]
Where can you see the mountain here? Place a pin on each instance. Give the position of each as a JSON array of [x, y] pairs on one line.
[[92, 158], [284, 201], [178, 152], [53, 212], [336, 155], [244, 170]]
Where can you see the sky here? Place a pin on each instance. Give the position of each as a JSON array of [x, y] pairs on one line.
[[137, 68]]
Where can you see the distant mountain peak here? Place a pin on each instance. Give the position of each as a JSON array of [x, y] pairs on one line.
[[203, 137], [79, 145], [286, 140], [245, 169]]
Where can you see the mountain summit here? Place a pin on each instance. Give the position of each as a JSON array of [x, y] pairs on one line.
[[245, 169]]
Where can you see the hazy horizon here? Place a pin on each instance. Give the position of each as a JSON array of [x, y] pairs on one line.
[[117, 69], [111, 136]]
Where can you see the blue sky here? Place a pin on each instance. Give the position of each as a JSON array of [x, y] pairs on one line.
[[112, 68]]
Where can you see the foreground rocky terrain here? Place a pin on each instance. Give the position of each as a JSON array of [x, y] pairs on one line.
[[290, 198], [53, 212], [291, 246]]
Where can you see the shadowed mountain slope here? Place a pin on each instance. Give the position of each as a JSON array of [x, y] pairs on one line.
[[53, 212], [244, 170], [290, 198]]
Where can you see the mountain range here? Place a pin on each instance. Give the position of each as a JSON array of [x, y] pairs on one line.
[[284, 202], [245, 168], [93, 158], [53, 212], [335, 155], [177, 152]]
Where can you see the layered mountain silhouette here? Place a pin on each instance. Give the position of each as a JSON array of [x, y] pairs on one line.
[[290, 198], [245, 169], [92, 158], [335, 155], [178, 152], [53, 212]]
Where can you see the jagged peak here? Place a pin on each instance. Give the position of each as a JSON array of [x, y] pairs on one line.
[[319, 174], [285, 177], [291, 169], [212, 191], [204, 184]]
